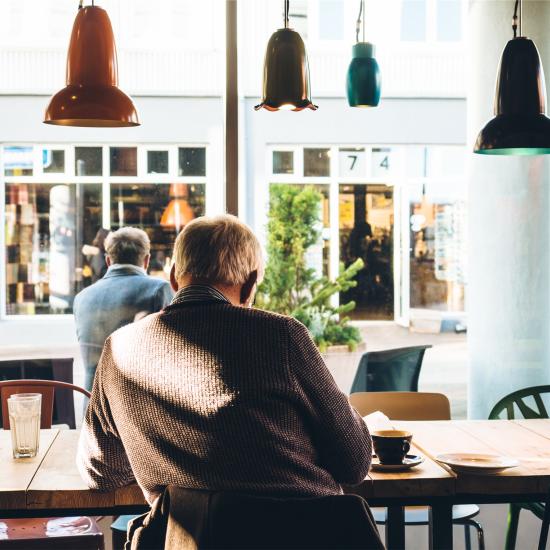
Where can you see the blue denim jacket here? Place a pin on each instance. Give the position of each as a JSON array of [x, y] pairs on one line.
[[125, 294]]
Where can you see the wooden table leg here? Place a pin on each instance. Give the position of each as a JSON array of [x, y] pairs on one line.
[[395, 528], [441, 526]]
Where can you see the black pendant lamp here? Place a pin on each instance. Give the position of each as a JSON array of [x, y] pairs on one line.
[[363, 78], [520, 126], [286, 71]]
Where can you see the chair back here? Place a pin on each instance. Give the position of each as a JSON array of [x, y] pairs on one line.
[[403, 405], [389, 370], [44, 387], [527, 402], [191, 519]]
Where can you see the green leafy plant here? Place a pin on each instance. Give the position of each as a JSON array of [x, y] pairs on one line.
[[290, 286]]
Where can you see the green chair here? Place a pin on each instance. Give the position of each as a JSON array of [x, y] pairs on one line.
[[526, 403]]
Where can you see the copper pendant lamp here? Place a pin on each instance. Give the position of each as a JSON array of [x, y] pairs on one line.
[[286, 71], [520, 125], [92, 97]]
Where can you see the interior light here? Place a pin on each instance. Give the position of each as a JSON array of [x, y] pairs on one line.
[[286, 71], [92, 96], [520, 126]]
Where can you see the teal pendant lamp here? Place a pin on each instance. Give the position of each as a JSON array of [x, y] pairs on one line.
[[520, 125], [363, 79]]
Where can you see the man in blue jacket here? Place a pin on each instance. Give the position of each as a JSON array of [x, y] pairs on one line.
[[125, 294]]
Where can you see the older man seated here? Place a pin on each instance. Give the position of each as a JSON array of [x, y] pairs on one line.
[[211, 394]]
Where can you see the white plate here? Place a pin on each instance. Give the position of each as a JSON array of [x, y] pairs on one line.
[[410, 461], [477, 463]]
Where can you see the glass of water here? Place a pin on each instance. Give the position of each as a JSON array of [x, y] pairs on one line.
[[24, 412]]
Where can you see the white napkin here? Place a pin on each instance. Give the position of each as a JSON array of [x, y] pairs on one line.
[[377, 421]]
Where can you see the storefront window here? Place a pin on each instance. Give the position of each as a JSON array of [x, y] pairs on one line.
[[18, 161], [366, 232], [53, 161], [161, 210], [192, 161], [88, 161], [45, 230], [283, 162], [157, 162], [123, 161], [438, 254], [316, 162]]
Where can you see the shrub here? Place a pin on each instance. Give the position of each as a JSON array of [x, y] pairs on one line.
[[290, 286]]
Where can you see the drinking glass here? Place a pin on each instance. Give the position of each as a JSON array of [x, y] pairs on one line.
[[24, 412]]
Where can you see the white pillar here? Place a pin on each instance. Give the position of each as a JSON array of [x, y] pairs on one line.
[[508, 297]]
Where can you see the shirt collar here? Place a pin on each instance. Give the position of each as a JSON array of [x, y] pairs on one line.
[[198, 294], [126, 269]]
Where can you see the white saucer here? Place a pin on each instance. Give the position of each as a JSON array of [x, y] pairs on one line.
[[410, 461], [476, 463]]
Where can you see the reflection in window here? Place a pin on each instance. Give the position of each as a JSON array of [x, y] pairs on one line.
[[157, 162], [438, 253], [88, 161], [46, 228], [161, 210], [413, 20], [366, 232], [53, 161], [192, 161], [449, 20], [283, 162], [316, 162], [123, 161], [331, 19], [18, 161]]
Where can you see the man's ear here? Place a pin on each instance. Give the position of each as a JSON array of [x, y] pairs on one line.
[[248, 288], [108, 260], [146, 262], [173, 282]]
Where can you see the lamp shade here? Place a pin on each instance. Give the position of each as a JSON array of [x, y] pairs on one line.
[[286, 73], [92, 96], [363, 79], [520, 126]]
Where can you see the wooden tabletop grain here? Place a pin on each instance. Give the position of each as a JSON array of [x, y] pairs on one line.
[[50, 481]]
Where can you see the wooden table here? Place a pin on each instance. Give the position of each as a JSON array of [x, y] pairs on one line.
[[50, 484]]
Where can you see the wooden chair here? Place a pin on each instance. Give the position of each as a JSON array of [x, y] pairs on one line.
[[524, 403], [67, 533], [417, 406], [389, 370]]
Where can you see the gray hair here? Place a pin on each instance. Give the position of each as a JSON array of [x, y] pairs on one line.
[[128, 245], [221, 250]]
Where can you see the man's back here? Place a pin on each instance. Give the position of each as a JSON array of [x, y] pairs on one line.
[[123, 295], [220, 397]]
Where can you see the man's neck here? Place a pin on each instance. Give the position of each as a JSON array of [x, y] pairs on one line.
[[232, 293]]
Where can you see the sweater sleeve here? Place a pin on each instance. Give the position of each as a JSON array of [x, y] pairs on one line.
[[342, 437], [101, 458]]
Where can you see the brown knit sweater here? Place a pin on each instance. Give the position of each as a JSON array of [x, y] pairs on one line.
[[219, 397]]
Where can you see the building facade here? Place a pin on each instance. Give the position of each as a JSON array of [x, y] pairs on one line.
[[392, 178]]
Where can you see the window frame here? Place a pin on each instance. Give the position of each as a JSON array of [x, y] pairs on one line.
[[209, 180]]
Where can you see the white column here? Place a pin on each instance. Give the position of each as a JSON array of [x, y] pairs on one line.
[[508, 298]]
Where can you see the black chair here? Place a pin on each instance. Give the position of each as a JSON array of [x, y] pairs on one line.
[[389, 370], [187, 519]]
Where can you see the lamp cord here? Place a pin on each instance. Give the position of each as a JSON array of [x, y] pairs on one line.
[[360, 21], [287, 9], [516, 18]]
